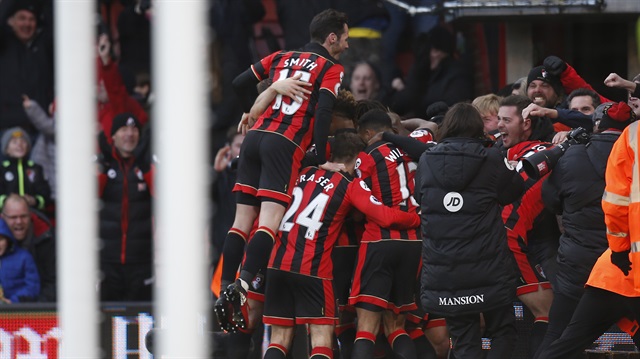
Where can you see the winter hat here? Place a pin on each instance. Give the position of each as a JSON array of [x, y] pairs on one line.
[[124, 119], [436, 111], [540, 73], [30, 5], [14, 132], [443, 40], [613, 115]]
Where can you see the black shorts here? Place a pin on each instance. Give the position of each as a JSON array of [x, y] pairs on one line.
[[530, 260], [344, 261], [268, 166], [293, 298], [385, 275]]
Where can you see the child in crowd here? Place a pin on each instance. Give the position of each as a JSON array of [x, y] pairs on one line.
[[20, 175]]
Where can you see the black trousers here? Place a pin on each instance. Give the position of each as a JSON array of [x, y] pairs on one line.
[[596, 312], [562, 310], [126, 282], [500, 325]]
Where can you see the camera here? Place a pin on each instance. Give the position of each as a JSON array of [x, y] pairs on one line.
[[541, 163]]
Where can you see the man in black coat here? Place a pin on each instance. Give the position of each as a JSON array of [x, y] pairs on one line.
[[26, 60], [125, 189], [574, 190], [467, 267]]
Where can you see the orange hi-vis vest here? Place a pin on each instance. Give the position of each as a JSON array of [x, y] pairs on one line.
[[621, 200], [605, 275]]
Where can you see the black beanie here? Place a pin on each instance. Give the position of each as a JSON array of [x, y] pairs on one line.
[[124, 119], [540, 73], [30, 5], [436, 111], [442, 39]]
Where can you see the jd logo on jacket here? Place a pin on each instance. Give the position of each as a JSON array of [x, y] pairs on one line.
[[453, 201]]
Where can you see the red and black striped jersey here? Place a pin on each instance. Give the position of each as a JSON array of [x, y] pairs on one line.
[[311, 225], [351, 233], [295, 120], [527, 217], [389, 172]]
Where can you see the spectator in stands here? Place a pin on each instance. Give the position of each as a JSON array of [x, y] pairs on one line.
[[583, 100], [633, 90], [488, 106], [134, 37], [545, 90], [295, 16], [18, 274], [20, 175], [436, 75], [569, 78], [519, 87], [225, 165], [26, 60], [113, 98], [44, 150], [233, 22], [126, 188], [399, 19], [368, 20], [33, 232], [365, 82]]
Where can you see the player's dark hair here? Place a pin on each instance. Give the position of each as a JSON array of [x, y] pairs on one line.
[[345, 105], [520, 102], [327, 22], [346, 146], [376, 120], [364, 106]]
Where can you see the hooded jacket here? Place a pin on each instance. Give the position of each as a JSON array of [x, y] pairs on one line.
[[467, 267], [18, 273], [574, 189], [40, 243], [126, 189]]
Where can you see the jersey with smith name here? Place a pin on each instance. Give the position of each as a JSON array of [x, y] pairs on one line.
[[295, 120]]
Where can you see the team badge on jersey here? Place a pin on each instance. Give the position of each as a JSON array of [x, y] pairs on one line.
[[31, 175], [8, 176]]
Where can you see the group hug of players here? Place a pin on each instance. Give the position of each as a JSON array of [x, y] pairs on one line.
[[327, 232]]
